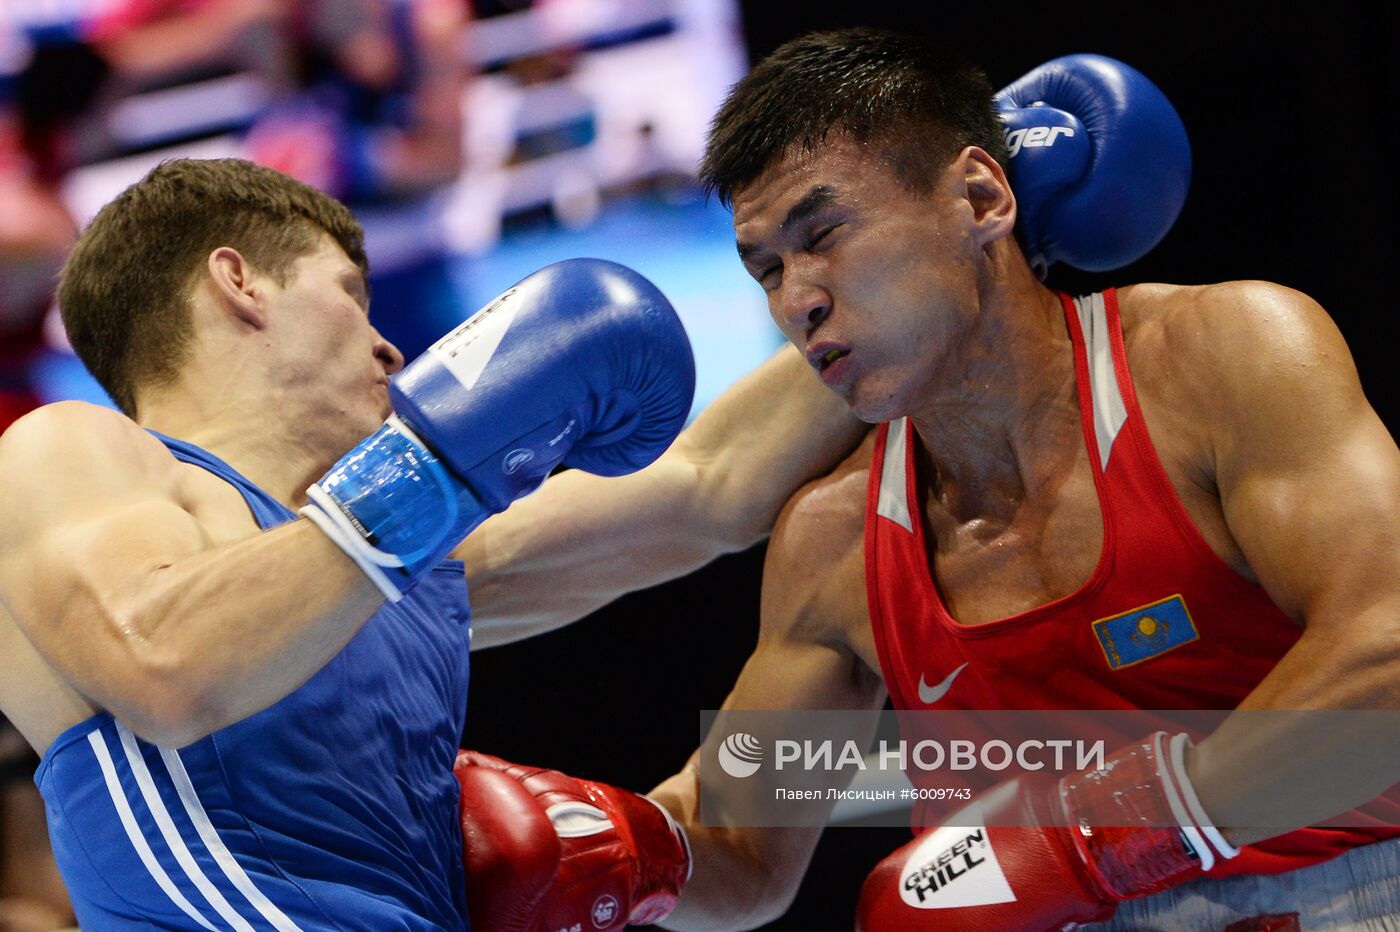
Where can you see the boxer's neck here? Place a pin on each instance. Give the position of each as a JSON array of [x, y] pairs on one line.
[[1000, 417], [257, 435]]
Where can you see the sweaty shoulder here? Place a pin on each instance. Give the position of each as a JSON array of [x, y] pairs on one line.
[[1237, 341], [1229, 368], [1248, 326], [815, 572]]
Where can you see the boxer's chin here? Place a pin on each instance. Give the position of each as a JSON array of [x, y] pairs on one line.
[[875, 403]]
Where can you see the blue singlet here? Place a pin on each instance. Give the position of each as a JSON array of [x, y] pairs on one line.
[[335, 808]]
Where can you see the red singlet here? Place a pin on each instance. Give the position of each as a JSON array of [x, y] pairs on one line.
[[1163, 622]]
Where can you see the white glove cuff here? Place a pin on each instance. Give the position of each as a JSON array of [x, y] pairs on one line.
[[1184, 820], [1179, 744], [679, 831]]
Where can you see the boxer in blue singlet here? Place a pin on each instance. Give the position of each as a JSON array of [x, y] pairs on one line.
[[250, 823], [248, 716]]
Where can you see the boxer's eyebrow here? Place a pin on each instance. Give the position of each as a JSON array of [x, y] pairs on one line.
[[814, 200]]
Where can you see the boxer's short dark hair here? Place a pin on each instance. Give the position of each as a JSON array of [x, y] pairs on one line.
[[124, 291], [919, 104]]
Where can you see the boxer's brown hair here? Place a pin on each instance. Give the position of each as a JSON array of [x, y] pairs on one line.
[[921, 105], [124, 291]]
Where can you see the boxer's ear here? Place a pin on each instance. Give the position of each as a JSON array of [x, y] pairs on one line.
[[983, 182], [237, 285]]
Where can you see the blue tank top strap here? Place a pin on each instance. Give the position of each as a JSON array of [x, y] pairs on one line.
[[268, 511]]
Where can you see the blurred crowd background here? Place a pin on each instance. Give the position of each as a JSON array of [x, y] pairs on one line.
[[478, 140]]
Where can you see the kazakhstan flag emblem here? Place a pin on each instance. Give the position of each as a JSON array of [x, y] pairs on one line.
[[1145, 632]]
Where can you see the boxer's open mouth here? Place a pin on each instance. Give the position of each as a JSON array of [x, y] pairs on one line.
[[820, 361]]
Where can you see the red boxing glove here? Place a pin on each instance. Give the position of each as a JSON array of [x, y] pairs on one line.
[[549, 852], [1065, 852]]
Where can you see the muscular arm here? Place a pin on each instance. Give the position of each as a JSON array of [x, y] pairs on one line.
[[108, 572], [813, 597], [582, 541], [1309, 481]]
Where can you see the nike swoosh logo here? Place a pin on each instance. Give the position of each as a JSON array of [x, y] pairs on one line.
[[928, 695]]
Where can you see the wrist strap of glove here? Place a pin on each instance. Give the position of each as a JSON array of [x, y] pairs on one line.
[[393, 507], [660, 851], [660, 879], [1137, 822], [1177, 749]]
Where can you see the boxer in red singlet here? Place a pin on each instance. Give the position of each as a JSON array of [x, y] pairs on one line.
[[1151, 498], [1199, 456]]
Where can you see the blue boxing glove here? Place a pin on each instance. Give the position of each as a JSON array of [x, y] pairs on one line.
[[1099, 163], [584, 363]]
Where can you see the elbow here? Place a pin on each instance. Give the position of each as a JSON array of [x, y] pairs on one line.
[[170, 721], [167, 710], [161, 695]]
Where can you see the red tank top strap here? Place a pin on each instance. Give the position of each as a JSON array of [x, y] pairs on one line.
[[890, 492], [1135, 490]]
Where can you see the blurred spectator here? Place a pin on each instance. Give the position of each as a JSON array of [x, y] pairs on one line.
[[364, 96], [149, 41], [377, 122], [382, 85], [35, 228], [149, 46], [32, 897]]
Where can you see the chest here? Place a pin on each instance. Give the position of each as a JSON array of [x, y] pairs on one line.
[[1027, 554], [1049, 545]]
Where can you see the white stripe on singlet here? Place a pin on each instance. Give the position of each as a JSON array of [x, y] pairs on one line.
[[1109, 411], [893, 500], [134, 833], [172, 835], [231, 868]]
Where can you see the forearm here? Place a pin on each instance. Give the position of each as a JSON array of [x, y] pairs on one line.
[[773, 432], [734, 882], [578, 544], [728, 889], [582, 541], [223, 633], [1257, 772]]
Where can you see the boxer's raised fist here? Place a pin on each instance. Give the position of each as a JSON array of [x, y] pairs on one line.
[[1100, 163], [584, 362]]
